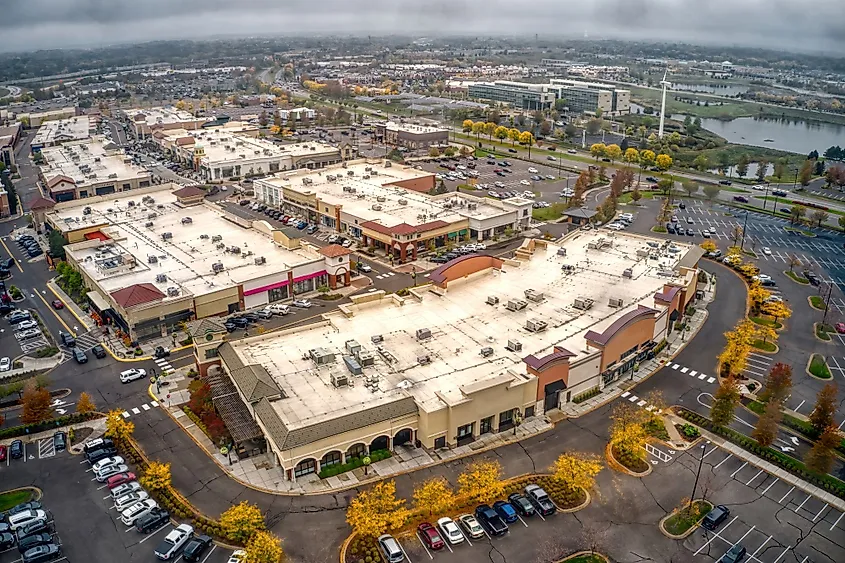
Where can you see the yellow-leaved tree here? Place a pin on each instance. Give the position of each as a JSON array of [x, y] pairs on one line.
[[598, 150], [757, 296], [84, 404], [156, 476], [613, 152], [777, 310], [241, 521], [663, 162], [708, 246], [377, 510], [433, 496], [118, 428], [263, 547], [467, 125], [481, 481], [575, 471], [628, 433]]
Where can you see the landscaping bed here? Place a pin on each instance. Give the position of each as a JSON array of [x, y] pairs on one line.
[[586, 395], [79, 435], [817, 302], [802, 427], [27, 429], [796, 278], [686, 518], [354, 463], [656, 429], [764, 346], [767, 322], [10, 499], [822, 330], [688, 432], [629, 462], [584, 558], [796, 467], [818, 367]]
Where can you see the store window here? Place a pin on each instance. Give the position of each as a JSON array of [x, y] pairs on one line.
[[211, 353], [529, 411], [465, 431], [331, 458], [278, 294], [303, 286], [486, 425], [305, 467], [440, 442], [506, 418]]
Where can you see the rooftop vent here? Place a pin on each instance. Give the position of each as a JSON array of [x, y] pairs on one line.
[[486, 352], [492, 300], [173, 292], [352, 365], [149, 224], [583, 303], [260, 261], [423, 333], [217, 267], [321, 356], [377, 339], [160, 278], [534, 296], [216, 238], [377, 207], [187, 220], [352, 347], [403, 202], [615, 302], [381, 199], [536, 325], [166, 236], [340, 379], [516, 305], [628, 273], [514, 346], [424, 360]]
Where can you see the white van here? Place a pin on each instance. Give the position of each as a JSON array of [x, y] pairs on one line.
[[137, 510], [25, 518]]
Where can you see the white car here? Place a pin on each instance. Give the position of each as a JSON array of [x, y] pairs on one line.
[[525, 182], [27, 334], [773, 299], [25, 517], [110, 471], [762, 277], [450, 530], [237, 557], [572, 151], [279, 309], [532, 170], [125, 489], [5, 364], [115, 460], [615, 227], [137, 510], [27, 325], [549, 177], [127, 500], [499, 184], [303, 303], [364, 268], [767, 251], [132, 374]]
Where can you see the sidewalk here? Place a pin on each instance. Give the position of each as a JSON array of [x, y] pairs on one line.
[[258, 472], [676, 342], [32, 364], [71, 306]]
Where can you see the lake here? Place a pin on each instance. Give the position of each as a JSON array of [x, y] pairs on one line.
[[728, 90], [791, 135]]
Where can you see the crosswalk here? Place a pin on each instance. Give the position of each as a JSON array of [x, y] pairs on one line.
[[757, 365], [385, 275], [138, 410], [164, 366], [87, 340], [692, 373], [640, 402]]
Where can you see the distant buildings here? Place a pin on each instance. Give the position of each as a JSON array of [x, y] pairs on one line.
[[8, 137], [145, 121], [297, 114], [410, 136], [581, 97], [520, 95]]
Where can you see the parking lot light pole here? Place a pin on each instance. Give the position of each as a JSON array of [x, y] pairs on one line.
[[766, 199], [698, 473], [744, 227]]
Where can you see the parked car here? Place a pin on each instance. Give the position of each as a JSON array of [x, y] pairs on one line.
[[734, 555], [522, 505], [362, 267], [98, 351], [97, 444], [125, 489], [506, 511], [67, 339], [23, 507], [132, 374], [24, 518], [26, 325], [195, 548], [120, 479], [3, 452], [33, 540], [28, 334], [42, 553], [450, 530], [741, 198], [389, 548], [264, 314], [5, 364], [19, 317], [104, 474], [430, 536], [279, 309], [173, 542], [540, 499], [138, 510], [16, 449], [715, 517], [60, 441], [238, 556], [79, 356], [161, 352], [490, 520], [154, 520], [303, 303]]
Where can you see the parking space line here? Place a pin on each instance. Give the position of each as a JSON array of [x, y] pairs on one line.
[[716, 535], [786, 495], [758, 474], [723, 461], [148, 536], [422, 543], [819, 513], [213, 547], [756, 551], [738, 470], [802, 503], [521, 520], [766, 490], [837, 521], [710, 452], [784, 553]]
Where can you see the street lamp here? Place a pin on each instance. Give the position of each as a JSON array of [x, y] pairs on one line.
[[698, 473], [744, 226], [766, 199]]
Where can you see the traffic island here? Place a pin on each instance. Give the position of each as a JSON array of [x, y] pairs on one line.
[[585, 557], [796, 278], [683, 521], [817, 367], [764, 346], [821, 331], [13, 497], [631, 465], [816, 302]]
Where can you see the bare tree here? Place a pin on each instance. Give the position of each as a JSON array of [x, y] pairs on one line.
[[793, 262], [592, 537]]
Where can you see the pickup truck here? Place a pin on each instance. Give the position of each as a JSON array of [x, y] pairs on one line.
[[174, 541]]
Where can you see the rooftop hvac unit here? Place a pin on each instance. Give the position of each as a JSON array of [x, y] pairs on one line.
[[187, 220], [341, 380], [423, 333], [365, 358], [561, 252], [535, 325], [377, 207], [321, 356], [424, 360], [160, 278], [374, 173], [381, 199], [472, 206], [516, 305], [352, 365], [203, 237], [387, 164], [152, 215], [486, 352], [153, 260], [492, 300], [583, 303], [628, 273], [642, 253], [112, 176], [514, 346], [534, 296], [260, 261], [352, 347], [149, 224], [616, 303], [86, 211], [234, 249], [403, 202], [217, 267], [173, 292], [377, 339], [166, 236], [216, 238]]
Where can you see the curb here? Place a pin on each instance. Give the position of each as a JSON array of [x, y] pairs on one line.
[[72, 312], [816, 335], [581, 553], [691, 529], [807, 369], [810, 303], [614, 464], [785, 272], [761, 351], [108, 349], [581, 506]]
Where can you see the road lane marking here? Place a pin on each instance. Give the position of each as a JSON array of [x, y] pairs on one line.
[[710, 452], [756, 551], [692, 373], [154, 403], [17, 262], [55, 314], [684, 370], [675, 366], [797, 508], [837, 521], [770, 486], [715, 535], [125, 414], [145, 406], [784, 553], [711, 380], [819, 513], [135, 410], [626, 393]]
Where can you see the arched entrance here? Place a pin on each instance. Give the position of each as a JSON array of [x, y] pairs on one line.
[[404, 436], [331, 458], [356, 450], [305, 467], [380, 443]]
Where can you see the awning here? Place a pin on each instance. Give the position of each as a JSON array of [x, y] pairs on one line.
[[98, 301]]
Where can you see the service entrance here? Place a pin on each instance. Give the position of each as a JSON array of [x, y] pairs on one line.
[[552, 395]]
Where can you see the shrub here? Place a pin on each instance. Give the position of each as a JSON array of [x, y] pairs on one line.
[[586, 395]]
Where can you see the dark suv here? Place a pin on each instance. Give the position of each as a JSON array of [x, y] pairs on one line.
[[34, 540], [42, 553], [157, 518], [715, 517], [490, 520], [195, 548]]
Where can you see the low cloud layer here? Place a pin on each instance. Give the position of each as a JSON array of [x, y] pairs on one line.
[[782, 24]]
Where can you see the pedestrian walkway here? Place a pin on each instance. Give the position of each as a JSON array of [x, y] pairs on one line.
[[86, 323]]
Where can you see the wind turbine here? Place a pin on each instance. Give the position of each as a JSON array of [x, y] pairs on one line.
[[665, 85]]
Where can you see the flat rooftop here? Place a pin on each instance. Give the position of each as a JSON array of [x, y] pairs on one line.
[[377, 198], [411, 128], [185, 259], [227, 144], [163, 115], [91, 161], [63, 130], [461, 324]]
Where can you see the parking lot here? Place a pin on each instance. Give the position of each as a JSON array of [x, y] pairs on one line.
[[774, 520]]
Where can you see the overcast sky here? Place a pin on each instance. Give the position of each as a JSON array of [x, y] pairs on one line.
[[781, 24]]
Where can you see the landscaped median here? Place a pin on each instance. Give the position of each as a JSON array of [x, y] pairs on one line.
[[796, 278], [12, 498], [816, 302], [683, 521], [822, 331], [817, 367], [585, 557]]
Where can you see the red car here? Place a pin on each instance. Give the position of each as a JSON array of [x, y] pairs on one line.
[[119, 479], [2, 453], [840, 328], [430, 536], [58, 304]]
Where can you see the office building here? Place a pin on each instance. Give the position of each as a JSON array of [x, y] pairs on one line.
[[411, 136], [520, 95], [588, 97]]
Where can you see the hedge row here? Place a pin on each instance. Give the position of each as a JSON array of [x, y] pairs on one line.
[[35, 428], [589, 394], [794, 466], [354, 463]]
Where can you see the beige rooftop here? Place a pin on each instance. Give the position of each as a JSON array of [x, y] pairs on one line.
[[94, 161], [435, 368], [186, 259], [63, 130]]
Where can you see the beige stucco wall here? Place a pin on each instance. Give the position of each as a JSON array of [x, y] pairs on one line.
[[216, 303]]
